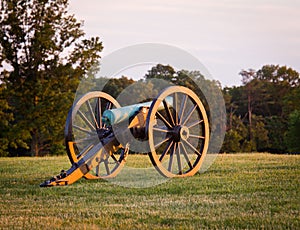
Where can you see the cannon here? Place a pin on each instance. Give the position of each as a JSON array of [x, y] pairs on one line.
[[173, 129]]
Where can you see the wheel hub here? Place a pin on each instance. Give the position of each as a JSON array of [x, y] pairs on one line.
[[180, 133]]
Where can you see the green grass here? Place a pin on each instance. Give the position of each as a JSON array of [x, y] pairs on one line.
[[239, 191]]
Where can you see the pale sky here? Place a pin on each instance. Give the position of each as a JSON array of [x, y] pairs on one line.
[[225, 35]]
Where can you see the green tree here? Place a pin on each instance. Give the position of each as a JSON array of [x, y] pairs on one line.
[[269, 94], [278, 82], [291, 100], [6, 117], [44, 56], [279, 75], [279, 87], [231, 142], [235, 136], [164, 72], [293, 133], [260, 134], [115, 86]]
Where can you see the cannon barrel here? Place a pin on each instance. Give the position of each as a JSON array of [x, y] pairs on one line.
[[118, 115]]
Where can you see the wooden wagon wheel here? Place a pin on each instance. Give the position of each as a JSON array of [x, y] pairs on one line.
[[178, 133], [82, 130]]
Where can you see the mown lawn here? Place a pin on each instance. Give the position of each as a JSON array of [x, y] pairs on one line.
[[239, 191]]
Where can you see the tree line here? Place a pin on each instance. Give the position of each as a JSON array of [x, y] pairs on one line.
[[263, 113], [44, 55]]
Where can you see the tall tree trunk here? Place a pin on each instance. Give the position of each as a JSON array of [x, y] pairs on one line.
[[249, 116], [35, 144]]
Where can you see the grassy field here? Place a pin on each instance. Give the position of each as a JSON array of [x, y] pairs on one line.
[[239, 191]]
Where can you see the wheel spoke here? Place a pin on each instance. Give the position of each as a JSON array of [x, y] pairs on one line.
[[185, 154], [108, 105], [93, 117], [171, 119], [85, 150], [166, 150], [176, 108], [196, 136], [114, 158], [84, 130], [192, 147], [189, 114], [99, 111], [84, 118], [98, 170], [171, 157], [163, 119], [161, 130], [79, 141], [107, 167], [160, 143], [182, 108], [194, 124], [178, 159]]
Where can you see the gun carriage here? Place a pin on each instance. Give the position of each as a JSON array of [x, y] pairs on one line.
[[173, 129]]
